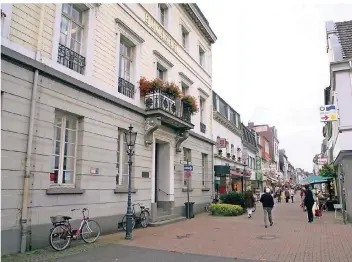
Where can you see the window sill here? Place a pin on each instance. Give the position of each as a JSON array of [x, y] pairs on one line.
[[205, 189], [64, 191], [124, 190], [185, 189]]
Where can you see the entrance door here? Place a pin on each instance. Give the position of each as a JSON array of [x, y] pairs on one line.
[[162, 172]]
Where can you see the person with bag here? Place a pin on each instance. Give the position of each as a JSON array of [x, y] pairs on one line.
[[267, 201], [249, 201]]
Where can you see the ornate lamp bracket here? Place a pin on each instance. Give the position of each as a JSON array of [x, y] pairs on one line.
[[151, 125], [180, 137]]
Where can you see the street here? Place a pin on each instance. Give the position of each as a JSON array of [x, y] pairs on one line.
[[207, 238]]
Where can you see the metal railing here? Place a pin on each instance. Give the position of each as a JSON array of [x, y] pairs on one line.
[[71, 59], [126, 88], [159, 100]]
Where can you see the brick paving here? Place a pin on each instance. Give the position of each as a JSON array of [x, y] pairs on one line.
[[290, 239]]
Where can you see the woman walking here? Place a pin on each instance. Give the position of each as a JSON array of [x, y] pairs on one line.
[[249, 201], [309, 202]]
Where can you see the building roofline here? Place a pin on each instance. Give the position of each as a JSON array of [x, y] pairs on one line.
[[201, 22]]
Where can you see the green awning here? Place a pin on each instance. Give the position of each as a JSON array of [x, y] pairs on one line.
[[221, 170]]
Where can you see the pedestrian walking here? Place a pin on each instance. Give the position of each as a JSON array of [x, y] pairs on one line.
[[309, 202], [278, 194], [267, 201], [292, 194], [287, 194], [249, 201]]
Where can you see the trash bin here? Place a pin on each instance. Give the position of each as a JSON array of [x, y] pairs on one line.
[[189, 209]]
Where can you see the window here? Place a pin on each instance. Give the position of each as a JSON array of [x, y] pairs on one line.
[[232, 149], [161, 72], [223, 108], [187, 157], [185, 37], [125, 86], [201, 109], [201, 57], [163, 14], [215, 106], [71, 32], [71, 38], [185, 88], [121, 160], [204, 169], [64, 150]]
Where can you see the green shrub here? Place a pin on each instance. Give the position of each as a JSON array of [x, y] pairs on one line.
[[226, 210], [233, 198]]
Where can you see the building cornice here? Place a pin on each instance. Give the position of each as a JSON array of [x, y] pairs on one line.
[[226, 123], [198, 18]]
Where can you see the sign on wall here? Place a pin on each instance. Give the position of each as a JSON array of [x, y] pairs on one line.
[[328, 113], [322, 161], [221, 143]]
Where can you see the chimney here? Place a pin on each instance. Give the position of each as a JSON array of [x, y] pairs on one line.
[[250, 125]]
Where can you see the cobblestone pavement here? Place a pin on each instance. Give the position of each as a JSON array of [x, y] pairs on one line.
[[290, 239]]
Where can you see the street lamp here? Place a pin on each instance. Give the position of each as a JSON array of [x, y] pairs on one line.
[[130, 139]]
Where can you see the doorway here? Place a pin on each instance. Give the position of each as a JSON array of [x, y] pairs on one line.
[[162, 172]]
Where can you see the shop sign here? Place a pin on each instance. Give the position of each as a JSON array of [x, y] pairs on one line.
[[259, 163], [259, 176], [221, 143]]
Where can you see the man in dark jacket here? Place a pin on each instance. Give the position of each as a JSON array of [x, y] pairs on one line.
[[249, 201], [268, 203], [309, 203]]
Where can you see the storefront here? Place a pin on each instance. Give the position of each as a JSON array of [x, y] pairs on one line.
[[222, 178]]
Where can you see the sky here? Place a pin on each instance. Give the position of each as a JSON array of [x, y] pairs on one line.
[[270, 64]]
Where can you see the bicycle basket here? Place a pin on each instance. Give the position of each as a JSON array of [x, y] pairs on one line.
[[57, 219]]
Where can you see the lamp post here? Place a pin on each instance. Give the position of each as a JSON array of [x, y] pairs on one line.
[[130, 139]]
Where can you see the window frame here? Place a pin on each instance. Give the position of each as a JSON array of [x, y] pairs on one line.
[[70, 22], [185, 37], [201, 54], [61, 155], [165, 8], [163, 69], [119, 153], [204, 169], [124, 41], [202, 102]]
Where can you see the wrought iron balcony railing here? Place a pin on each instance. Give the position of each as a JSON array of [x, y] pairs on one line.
[[159, 100], [71, 59], [126, 88], [203, 127]]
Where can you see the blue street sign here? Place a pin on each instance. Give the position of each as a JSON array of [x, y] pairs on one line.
[[188, 168]]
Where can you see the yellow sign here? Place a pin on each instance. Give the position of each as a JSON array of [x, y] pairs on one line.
[[161, 32]]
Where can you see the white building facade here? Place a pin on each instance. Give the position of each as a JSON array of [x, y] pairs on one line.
[[71, 87], [227, 132], [338, 134]]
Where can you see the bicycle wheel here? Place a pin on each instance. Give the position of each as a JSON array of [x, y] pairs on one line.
[[124, 223], [60, 238], [207, 209], [145, 218], [90, 231]]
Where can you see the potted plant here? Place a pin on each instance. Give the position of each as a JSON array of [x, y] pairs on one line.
[[239, 159], [228, 155], [149, 86], [220, 152], [172, 90], [233, 157], [190, 104]]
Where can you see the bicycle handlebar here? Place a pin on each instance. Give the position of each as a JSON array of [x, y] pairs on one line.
[[83, 209]]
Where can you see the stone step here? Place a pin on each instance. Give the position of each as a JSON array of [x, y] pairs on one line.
[[167, 222], [162, 218], [161, 212]]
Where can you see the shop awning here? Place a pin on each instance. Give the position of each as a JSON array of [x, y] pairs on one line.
[[221, 170]]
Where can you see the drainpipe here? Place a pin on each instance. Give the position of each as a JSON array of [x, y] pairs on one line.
[[40, 33], [212, 172], [27, 174]]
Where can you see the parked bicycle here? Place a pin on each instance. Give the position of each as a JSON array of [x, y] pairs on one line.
[[142, 218], [213, 200], [63, 231]]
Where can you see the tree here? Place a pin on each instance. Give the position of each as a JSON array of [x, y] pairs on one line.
[[327, 171]]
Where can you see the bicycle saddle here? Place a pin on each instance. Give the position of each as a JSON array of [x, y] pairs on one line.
[[142, 207], [67, 217]]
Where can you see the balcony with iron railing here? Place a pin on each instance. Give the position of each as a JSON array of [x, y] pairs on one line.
[[203, 128], [126, 88], [71, 59], [171, 110]]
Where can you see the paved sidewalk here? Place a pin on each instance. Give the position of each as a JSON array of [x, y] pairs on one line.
[[291, 239]]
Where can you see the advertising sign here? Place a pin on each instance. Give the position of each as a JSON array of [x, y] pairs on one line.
[[328, 113], [221, 143]]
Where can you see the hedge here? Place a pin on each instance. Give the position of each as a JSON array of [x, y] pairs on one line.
[[226, 210], [233, 198]]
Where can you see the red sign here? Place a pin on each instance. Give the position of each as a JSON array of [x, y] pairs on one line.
[[235, 173], [266, 156], [187, 174], [221, 143]]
